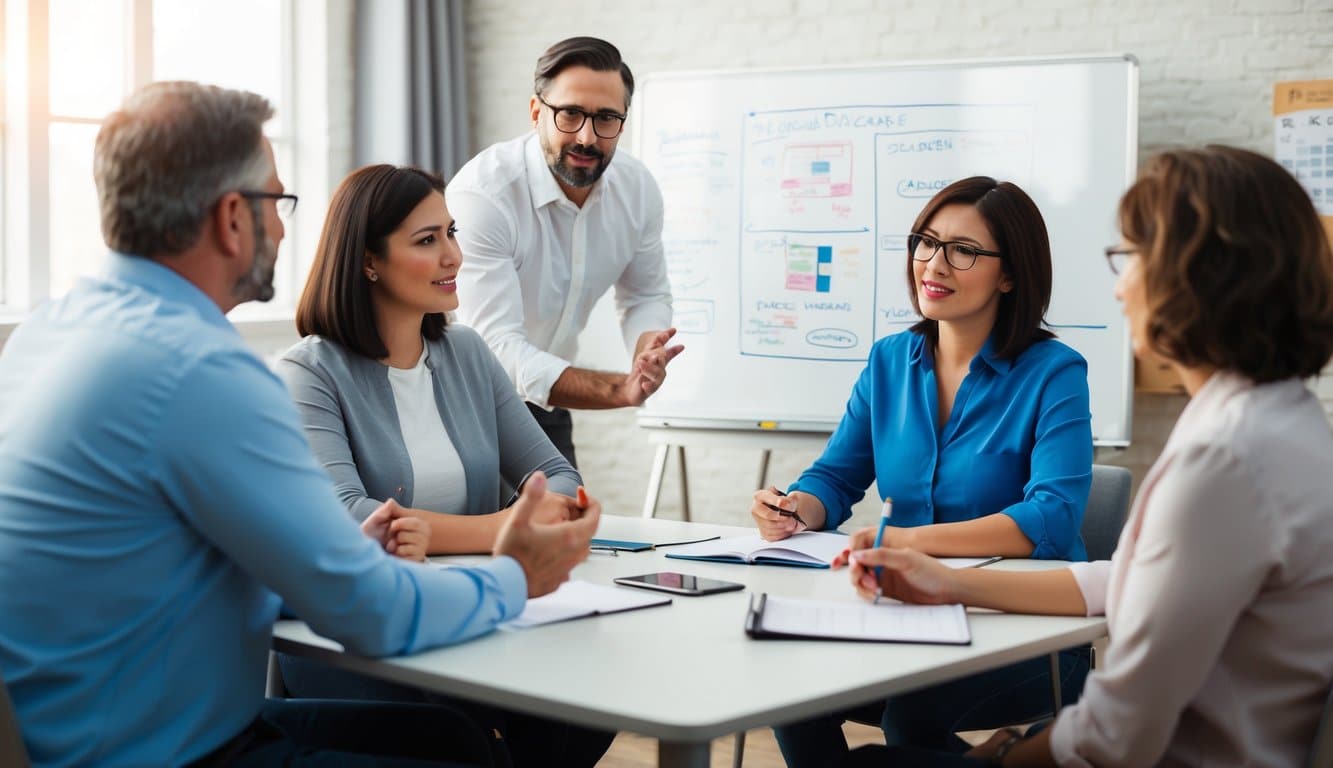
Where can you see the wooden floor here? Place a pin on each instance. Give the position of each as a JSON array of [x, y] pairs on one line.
[[761, 751]]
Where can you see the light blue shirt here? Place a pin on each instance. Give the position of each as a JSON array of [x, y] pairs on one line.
[[1018, 441], [156, 491]]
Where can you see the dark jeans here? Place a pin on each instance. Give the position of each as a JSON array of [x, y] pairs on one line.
[[876, 756], [559, 427], [527, 740], [930, 717], [290, 732]]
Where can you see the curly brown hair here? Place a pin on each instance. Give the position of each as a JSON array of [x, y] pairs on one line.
[[1238, 272]]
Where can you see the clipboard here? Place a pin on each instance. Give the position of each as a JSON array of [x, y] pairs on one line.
[[783, 618]]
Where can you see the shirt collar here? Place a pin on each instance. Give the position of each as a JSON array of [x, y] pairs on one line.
[[987, 356], [541, 181], [153, 277]]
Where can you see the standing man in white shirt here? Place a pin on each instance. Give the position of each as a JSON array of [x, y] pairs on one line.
[[547, 223]]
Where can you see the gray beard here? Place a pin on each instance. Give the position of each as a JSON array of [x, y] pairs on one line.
[[257, 284]]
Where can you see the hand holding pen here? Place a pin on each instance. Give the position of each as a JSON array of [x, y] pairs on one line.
[[776, 514]]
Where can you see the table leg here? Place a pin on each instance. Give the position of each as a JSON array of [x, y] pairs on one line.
[[684, 485], [655, 481], [683, 754], [764, 456], [1055, 682]]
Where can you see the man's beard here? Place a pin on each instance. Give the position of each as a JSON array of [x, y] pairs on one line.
[[257, 284], [577, 177]]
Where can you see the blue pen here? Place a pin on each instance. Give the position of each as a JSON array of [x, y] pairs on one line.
[[884, 513]]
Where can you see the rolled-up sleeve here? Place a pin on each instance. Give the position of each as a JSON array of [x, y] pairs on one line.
[[492, 298], [1092, 580], [840, 475], [1188, 579], [1056, 493], [643, 292]]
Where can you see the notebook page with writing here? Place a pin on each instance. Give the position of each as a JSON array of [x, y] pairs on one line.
[[810, 548], [886, 622], [575, 599]]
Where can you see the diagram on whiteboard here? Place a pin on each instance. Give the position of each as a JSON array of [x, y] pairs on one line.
[[828, 197]]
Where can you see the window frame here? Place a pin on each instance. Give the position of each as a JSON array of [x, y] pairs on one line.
[[25, 219]]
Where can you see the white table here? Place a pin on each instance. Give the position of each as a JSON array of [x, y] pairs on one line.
[[687, 673]]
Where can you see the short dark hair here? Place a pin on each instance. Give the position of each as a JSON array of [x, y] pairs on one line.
[[1025, 252], [1237, 269], [591, 52], [366, 208], [157, 180]]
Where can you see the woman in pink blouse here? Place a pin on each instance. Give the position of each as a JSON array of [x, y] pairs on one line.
[[1219, 600]]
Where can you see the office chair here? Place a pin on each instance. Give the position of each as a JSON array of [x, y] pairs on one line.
[[1108, 507], [12, 751]]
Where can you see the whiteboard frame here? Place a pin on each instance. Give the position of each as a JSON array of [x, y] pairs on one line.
[[649, 419]]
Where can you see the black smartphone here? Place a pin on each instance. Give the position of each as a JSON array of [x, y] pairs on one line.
[[679, 583]]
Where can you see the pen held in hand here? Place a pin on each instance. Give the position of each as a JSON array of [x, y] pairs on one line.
[[884, 513], [786, 512]]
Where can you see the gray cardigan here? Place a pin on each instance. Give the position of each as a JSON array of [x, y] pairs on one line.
[[346, 404]]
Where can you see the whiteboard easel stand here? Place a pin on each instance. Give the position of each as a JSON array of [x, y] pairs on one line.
[[763, 441]]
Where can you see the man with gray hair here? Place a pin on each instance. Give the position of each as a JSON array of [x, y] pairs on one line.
[[158, 497]]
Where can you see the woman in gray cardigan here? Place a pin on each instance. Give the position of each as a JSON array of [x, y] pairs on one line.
[[398, 408], [395, 407]]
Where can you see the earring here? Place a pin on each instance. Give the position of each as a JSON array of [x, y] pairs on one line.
[[372, 276]]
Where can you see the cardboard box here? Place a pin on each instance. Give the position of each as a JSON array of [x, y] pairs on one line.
[[1157, 376]]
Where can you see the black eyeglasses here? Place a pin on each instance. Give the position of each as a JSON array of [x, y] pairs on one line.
[[960, 255], [1117, 257], [285, 203], [607, 125]]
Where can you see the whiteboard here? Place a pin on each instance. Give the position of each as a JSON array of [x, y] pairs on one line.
[[789, 195]]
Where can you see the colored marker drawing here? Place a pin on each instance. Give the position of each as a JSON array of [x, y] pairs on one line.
[[809, 267], [817, 170]]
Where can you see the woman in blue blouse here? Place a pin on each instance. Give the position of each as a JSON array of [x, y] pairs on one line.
[[975, 422]]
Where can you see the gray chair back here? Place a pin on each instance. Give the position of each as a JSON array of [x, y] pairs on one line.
[[1321, 754], [12, 751], [1108, 506]]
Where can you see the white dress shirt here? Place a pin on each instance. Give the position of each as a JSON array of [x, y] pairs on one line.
[[527, 247], [1219, 600]]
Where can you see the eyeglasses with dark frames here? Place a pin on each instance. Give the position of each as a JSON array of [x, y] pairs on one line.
[[961, 256], [1118, 256], [607, 125], [285, 203]]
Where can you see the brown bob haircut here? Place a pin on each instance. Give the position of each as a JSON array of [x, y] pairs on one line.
[[1237, 270], [1025, 251], [368, 205], [591, 52]]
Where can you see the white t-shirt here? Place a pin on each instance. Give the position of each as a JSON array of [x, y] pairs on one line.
[[439, 484]]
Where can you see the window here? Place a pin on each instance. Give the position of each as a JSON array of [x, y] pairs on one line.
[[100, 51]]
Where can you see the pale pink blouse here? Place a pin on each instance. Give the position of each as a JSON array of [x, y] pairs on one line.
[[1219, 600]]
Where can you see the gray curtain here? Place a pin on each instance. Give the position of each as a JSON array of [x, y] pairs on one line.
[[410, 81]]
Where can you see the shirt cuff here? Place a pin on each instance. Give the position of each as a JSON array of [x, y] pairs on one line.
[[1092, 579], [1032, 523], [1062, 741], [513, 585], [539, 374], [655, 316]]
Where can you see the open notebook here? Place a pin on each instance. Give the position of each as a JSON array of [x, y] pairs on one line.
[[578, 599], [807, 549], [772, 617]]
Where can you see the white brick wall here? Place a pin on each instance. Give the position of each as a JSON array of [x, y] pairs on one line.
[[1208, 67]]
